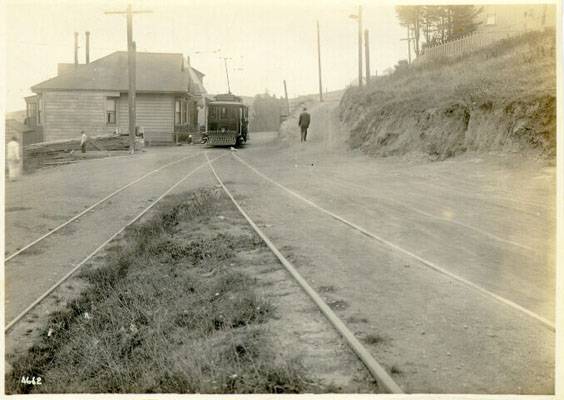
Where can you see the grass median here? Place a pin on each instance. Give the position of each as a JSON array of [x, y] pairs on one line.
[[166, 311]]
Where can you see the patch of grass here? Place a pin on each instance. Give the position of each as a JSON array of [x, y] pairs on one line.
[[151, 322], [395, 370], [327, 289], [373, 339], [355, 320]]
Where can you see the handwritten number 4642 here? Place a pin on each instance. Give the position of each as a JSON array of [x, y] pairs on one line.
[[33, 381]]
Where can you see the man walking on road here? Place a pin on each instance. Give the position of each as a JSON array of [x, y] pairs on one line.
[[13, 158], [304, 123], [83, 142]]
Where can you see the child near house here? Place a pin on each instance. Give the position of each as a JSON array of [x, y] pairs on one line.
[[83, 139], [13, 158]]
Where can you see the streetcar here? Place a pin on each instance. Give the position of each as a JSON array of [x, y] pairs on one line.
[[227, 121]]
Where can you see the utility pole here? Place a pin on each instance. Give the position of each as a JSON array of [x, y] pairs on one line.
[[87, 47], [76, 49], [358, 17], [131, 70], [286, 96], [359, 46], [319, 64], [227, 74], [367, 55], [409, 39], [408, 46]]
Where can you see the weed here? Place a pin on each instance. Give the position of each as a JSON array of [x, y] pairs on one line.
[[373, 339], [150, 322], [395, 370]]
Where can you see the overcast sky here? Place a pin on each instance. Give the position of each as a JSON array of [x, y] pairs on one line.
[[267, 40]]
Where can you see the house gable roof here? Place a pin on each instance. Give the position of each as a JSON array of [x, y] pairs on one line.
[[155, 72]]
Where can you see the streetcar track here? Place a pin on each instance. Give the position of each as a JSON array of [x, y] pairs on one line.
[[376, 370], [429, 264], [502, 196], [93, 206], [339, 181], [14, 321], [491, 201]]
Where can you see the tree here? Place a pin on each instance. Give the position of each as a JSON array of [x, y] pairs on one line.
[[266, 112], [463, 20], [439, 24], [411, 17]]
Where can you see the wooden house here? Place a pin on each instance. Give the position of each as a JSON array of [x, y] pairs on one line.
[[516, 18], [94, 97]]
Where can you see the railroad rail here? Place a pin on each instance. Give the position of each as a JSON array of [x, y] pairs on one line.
[[429, 264], [96, 204], [377, 371], [14, 321], [452, 221]]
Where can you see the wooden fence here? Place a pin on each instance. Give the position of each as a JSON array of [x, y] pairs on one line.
[[464, 45]]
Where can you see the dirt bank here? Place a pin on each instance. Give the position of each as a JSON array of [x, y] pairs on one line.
[[501, 98]]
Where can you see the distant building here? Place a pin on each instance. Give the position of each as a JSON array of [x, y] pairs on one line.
[[93, 97], [516, 17], [496, 22]]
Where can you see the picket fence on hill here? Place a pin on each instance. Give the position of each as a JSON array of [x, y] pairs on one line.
[[464, 45]]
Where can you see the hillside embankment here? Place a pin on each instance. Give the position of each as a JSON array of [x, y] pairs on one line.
[[501, 98]]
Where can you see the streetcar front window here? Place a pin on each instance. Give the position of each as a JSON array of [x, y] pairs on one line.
[[223, 113], [213, 113]]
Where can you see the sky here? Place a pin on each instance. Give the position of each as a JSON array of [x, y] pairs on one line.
[[267, 41]]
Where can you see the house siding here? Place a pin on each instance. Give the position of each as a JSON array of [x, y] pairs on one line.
[[155, 113], [518, 18], [66, 113]]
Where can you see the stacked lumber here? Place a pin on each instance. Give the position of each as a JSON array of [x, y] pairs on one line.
[[38, 155]]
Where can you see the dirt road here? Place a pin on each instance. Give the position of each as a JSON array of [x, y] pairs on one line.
[[42, 201], [488, 220]]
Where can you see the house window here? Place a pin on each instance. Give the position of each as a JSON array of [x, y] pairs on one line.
[[110, 111], [30, 114], [177, 113], [183, 108], [543, 18], [490, 19], [39, 111]]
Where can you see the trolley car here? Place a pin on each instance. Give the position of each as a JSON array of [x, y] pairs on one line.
[[227, 121]]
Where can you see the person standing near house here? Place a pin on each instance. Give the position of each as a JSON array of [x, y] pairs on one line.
[[13, 158], [83, 139], [303, 123]]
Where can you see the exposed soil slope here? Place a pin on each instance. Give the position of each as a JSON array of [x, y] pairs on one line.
[[500, 98]]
